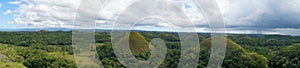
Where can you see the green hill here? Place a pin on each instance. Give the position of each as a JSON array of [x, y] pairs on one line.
[[246, 41], [11, 65], [234, 54], [201, 38], [137, 43], [289, 56]]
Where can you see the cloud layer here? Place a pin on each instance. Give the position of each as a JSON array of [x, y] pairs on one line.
[[262, 14], [241, 16], [45, 13]]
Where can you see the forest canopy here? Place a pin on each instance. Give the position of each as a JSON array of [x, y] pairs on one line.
[[52, 49]]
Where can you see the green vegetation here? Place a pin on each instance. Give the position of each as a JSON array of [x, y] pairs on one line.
[[45, 49], [235, 56], [246, 41], [137, 43], [291, 56], [11, 65], [36, 38]]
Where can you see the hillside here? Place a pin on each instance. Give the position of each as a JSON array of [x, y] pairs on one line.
[[53, 49], [290, 54], [137, 43], [234, 54], [246, 41]]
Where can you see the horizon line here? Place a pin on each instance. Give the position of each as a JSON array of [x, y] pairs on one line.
[[107, 29]]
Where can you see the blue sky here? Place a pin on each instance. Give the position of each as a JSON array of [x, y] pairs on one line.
[[240, 16], [5, 18]]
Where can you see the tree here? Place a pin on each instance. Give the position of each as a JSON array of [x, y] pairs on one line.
[[235, 56], [49, 62], [42, 31], [201, 38], [246, 41], [290, 56]]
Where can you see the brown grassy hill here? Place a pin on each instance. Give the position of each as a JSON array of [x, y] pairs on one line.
[[137, 43]]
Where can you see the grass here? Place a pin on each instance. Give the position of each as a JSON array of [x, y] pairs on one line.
[[62, 55], [99, 44], [85, 59], [3, 45], [137, 43], [11, 65]]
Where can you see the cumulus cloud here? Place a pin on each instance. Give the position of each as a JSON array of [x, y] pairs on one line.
[[115, 8], [262, 14], [250, 16], [15, 2], [7, 12], [45, 13]]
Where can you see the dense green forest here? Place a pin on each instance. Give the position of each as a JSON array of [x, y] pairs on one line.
[[52, 49]]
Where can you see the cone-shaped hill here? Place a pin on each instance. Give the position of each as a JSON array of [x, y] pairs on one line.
[[289, 54], [234, 54], [246, 41], [201, 38], [231, 45], [137, 43]]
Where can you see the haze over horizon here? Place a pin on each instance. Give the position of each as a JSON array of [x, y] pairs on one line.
[[244, 16]]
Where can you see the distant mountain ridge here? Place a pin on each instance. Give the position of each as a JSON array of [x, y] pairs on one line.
[[103, 30], [35, 29]]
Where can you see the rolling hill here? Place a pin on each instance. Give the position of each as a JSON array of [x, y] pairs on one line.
[[234, 54]]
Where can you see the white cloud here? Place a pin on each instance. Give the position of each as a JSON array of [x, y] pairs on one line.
[[0, 5], [7, 12], [116, 7], [241, 12], [239, 15], [46, 13], [287, 31], [15, 2]]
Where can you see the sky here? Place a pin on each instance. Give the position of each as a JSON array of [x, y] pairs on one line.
[[240, 16]]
